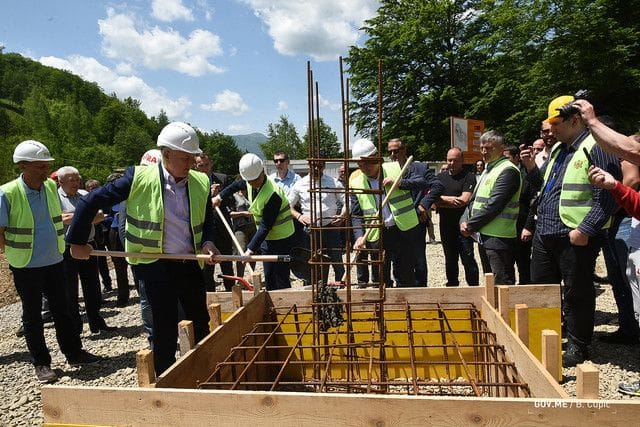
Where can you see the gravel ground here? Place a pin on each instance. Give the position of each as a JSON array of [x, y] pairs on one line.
[[20, 393]]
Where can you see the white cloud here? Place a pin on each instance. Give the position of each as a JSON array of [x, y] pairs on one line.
[[152, 100], [229, 102], [282, 105], [170, 10], [158, 49], [124, 68], [239, 129], [322, 29], [333, 106]]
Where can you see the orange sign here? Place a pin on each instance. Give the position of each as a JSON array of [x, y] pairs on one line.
[[465, 134]]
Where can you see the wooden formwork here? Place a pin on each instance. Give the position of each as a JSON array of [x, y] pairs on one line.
[[174, 400]]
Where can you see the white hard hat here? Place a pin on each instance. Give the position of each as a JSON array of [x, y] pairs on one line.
[[363, 148], [151, 157], [31, 151], [179, 136], [250, 166]]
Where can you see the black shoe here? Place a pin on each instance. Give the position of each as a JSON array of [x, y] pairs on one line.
[[83, 358], [452, 285], [20, 331], [47, 317], [574, 354], [45, 375], [599, 279], [619, 337], [122, 304]]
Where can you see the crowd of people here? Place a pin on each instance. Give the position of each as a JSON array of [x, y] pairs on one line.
[[544, 210]]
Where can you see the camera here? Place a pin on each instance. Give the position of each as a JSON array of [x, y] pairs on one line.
[[569, 109]]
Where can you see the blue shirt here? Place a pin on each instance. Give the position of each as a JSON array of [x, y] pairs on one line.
[[45, 240], [287, 182]]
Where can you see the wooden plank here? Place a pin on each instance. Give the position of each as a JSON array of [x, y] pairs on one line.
[[215, 315], [186, 337], [489, 288], [236, 296], [551, 356], [541, 382], [256, 281], [587, 381], [522, 323], [200, 362], [152, 407], [145, 368], [535, 296], [503, 303]]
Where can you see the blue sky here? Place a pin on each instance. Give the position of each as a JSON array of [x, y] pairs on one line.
[[227, 65]]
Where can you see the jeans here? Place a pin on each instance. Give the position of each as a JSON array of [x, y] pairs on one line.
[[31, 284], [554, 259], [422, 271], [502, 266], [455, 246], [616, 254], [145, 311]]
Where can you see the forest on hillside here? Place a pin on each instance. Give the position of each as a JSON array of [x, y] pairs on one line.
[[80, 124]]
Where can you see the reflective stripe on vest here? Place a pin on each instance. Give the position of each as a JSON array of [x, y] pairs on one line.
[[504, 224], [145, 212], [283, 227], [19, 234], [400, 203], [576, 194]]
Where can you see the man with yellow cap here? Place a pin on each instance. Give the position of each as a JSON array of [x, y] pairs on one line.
[[572, 218]]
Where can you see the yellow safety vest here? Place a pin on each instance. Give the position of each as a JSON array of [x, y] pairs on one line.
[[400, 204], [145, 212], [504, 224], [19, 234], [283, 227], [576, 195]]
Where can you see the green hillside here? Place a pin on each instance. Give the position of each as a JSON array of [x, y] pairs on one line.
[[250, 142], [81, 125]]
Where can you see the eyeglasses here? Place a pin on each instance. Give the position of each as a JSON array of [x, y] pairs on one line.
[[279, 160]]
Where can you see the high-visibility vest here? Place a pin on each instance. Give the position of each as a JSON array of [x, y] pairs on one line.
[[576, 195], [283, 227], [504, 224], [401, 203], [145, 212], [18, 235]]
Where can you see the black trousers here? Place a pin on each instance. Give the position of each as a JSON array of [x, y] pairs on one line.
[[32, 284], [502, 266], [276, 274], [168, 283], [120, 265], [87, 271], [554, 259], [454, 246], [401, 247], [223, 243]]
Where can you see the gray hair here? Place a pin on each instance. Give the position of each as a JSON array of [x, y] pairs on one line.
[[492, 136], [66, 170]]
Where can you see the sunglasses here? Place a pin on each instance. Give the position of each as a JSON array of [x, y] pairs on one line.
[[279, 160]]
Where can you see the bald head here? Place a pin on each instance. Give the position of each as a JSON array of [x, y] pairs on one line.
[[454, 160]]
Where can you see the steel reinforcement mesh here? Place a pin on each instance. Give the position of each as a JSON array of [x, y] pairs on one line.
[[423, 349]]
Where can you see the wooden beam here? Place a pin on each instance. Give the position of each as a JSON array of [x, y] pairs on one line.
[[489, 288], [541, 382], [551, 353], [236, 296], [522, 323], [587, 381], [145, 368], [198, 364], [256, 281], [535, 296], [152, 407], [503, 303], [215, 315], [186, 337]]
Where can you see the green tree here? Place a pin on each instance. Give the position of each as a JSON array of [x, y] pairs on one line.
[[222, 150], [281, 136], [329, 146]]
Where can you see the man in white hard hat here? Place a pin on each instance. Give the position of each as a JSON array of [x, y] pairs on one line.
[[271, 212], [168, 212], [31, 235], [399, 216]]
